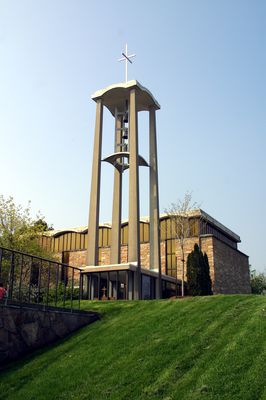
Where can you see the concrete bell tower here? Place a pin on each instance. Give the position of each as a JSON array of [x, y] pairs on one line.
[[125, 101]]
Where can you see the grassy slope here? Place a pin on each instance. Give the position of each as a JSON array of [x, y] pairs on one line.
[[200, 348]]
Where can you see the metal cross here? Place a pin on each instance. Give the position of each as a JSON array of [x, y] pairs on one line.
[[126, 57]]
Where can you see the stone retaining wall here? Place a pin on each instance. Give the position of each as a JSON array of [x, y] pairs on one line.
[[24, 329]]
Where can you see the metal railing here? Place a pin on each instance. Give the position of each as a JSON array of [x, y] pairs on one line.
[[35, 280]]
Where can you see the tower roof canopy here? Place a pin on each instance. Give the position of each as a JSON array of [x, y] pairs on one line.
[[114, 96]]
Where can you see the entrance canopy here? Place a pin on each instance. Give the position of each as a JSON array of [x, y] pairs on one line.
[[116, 282]]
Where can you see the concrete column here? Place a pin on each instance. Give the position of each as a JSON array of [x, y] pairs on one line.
[[93, 228], [117, 203], [110, 289], [155, 249], [99, 285], [130, 286], [92, 287], [88, 280], [117, 285], [133, 217]]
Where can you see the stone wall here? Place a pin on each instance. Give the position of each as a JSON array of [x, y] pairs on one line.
[[24, 329]]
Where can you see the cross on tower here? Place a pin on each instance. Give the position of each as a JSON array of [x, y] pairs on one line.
[[126, 57]]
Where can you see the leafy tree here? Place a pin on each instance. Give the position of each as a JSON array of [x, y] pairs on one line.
[[198, 273], [42, 225], [257, 282], [18, 230]]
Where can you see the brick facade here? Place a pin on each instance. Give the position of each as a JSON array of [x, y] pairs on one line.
[[229, 268]]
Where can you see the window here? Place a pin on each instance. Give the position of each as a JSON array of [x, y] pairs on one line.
[[144, 232], [170, 258], [124, 235], [208, 229]]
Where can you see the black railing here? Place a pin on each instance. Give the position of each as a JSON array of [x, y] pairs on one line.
[[35, 280]]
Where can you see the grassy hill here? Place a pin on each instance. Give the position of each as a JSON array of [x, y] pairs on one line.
[[197, 348]]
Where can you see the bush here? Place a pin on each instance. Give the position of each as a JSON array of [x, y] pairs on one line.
[[258, 283], [34, 294], [198, 273], [18, 231]]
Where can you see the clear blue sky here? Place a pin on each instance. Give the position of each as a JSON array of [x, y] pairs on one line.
[[205, 63]]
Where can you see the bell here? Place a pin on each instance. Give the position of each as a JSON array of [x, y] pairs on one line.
[[125, 134], [126, 113], [125, 120]]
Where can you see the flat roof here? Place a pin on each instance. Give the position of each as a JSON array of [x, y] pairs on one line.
[[126, 267], [115, 96], [198, 212]]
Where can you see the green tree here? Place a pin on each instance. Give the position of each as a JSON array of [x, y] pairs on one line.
[[18, 230], [41, 225], [198, 273], [193, 276], [207, 283], [257, 282]]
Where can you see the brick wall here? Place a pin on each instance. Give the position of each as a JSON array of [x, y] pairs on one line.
[[206, 244], [104, 256], [163, 258], [77, 258], [229, 268], [145, 255], [123, 254], [188, 247]]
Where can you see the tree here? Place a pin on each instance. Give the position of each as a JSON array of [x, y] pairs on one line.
[[193, 276], [180, 214], [257, 282], [18, 231], [206, 279], [42, 225], [198, 273]]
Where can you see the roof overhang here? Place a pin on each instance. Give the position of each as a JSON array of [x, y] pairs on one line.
[[197, 213], [133, 266], [115, 96]]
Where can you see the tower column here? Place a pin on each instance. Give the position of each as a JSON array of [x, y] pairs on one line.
[[155, 249], [133, 217], [117, 202], [93, 227]]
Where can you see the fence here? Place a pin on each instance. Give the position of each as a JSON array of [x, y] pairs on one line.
[[36, 280]]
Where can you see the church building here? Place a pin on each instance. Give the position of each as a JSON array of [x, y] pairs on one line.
[[229, 267], [140, 258]]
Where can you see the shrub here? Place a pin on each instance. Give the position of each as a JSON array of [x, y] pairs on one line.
[[198, 273], [258, 283]]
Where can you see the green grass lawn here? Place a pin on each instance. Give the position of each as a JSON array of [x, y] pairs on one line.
[[198, 348]]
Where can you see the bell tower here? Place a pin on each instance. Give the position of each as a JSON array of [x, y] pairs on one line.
[[124, 101]]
